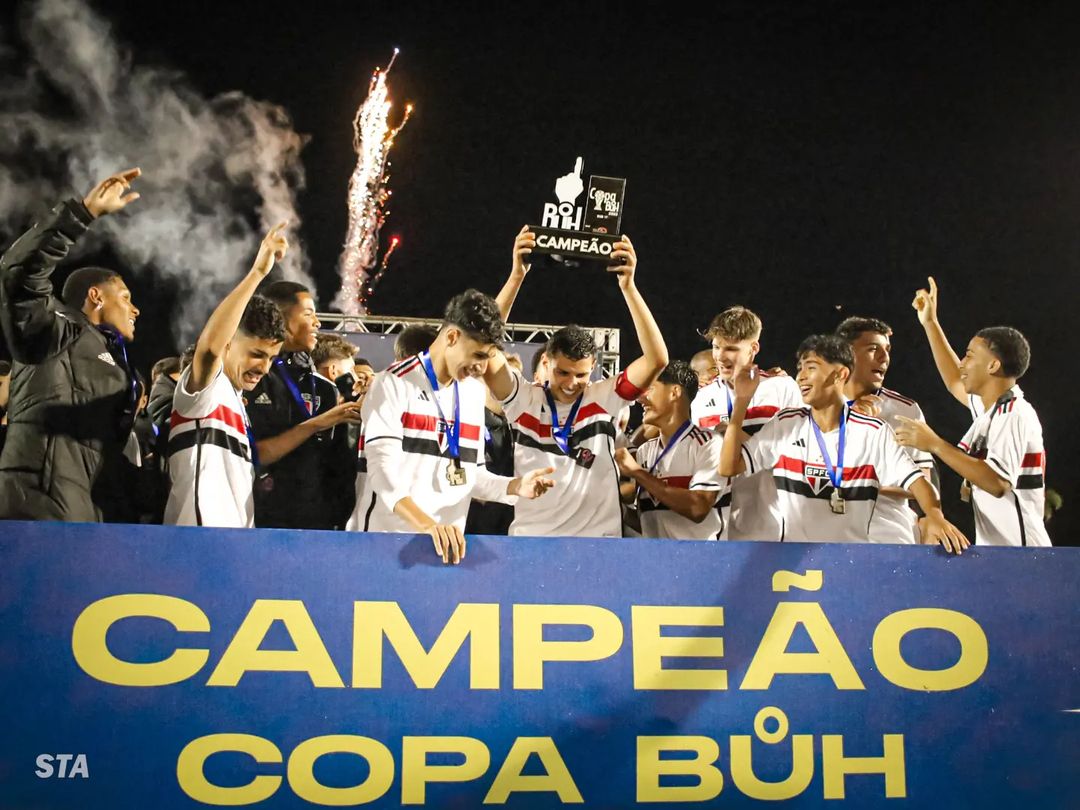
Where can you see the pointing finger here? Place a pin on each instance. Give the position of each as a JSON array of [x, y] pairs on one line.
[[577, 166], [933, 285]]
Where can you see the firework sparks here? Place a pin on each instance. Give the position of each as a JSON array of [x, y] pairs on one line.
[[368, 194]]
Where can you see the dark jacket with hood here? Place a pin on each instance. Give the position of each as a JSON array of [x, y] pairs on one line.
[[71, 405]]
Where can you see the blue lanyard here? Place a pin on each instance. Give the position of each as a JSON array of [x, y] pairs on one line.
[[114, 337], [561, 435], [836, 472], [453, 429], [305, 407], [674, 440], [727, 393]]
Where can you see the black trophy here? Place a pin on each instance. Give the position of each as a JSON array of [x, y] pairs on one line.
[[571, 234]]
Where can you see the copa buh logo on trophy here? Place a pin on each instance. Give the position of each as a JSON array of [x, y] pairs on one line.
[[571, 233]]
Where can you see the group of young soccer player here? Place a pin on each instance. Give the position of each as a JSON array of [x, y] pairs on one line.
[[726, 451]]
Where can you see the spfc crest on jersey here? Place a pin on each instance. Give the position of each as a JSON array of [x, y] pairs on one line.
[[817, 477]]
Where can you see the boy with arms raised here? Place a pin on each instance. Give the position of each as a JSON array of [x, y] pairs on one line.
[[567, 423], [422, 451], [827, 459], [1001, 458], [211, 461], [674, 476], [894, 519]]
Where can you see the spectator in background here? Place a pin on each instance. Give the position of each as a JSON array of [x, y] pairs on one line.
[[538, 369], [333, 358], [704, 366], [492, 517], [413, 340], [163, 379], [298, 426], [166, 365], [72, 387], [211, 459]]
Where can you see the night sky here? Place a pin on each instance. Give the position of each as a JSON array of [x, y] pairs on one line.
[[808, 160]]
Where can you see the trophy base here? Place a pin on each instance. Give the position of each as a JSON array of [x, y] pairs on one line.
[[574, 247]]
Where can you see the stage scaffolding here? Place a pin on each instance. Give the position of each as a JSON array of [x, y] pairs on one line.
[[607, 338]]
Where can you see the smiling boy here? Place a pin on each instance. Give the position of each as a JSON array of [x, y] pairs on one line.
[[1001, 458], [828, 460]]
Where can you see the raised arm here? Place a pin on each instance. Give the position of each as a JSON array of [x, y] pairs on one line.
[[524, 242], [642, 372], [948, 364], [225, 320], [746, 383], [498, 377], [27, 309]]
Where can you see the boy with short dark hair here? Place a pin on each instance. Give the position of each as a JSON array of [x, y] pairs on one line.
[[211, 457], [568, 422], [1001, 458], [422, 453], [674, 476], [827, 459], [894, 519]]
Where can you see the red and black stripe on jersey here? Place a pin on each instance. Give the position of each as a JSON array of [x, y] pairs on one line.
[[752, 422], [863, 487], [646, 503], [531, 432], [888, 392], [403, 367], [423, 433], [214, 429], [1032, 471]]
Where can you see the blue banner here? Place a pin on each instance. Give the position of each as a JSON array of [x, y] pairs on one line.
[[167, 667]]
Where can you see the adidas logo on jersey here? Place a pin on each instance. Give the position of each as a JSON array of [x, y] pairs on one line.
[[263, 399], [799, 443], [108, 358]]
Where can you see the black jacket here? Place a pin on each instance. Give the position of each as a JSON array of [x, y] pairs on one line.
[[306, 488], [71, 396]]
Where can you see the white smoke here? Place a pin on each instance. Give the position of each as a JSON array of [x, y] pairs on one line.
[[217, 172]]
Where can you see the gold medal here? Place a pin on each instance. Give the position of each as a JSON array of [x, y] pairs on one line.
[[965, 492], [455, 473], [837, 503]]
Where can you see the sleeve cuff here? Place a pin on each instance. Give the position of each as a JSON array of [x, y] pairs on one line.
[[626, 389], [751, 468]]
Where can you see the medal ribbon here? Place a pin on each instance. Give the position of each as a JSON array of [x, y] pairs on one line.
[[836, 472], [674, 440], [452, 429], [305, 407], [561, 435]]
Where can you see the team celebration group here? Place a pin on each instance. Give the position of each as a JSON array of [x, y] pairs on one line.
[[266, 422]]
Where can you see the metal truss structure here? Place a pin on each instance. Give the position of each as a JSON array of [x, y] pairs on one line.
[[607, 338]]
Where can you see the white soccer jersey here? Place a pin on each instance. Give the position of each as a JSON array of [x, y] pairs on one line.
[[894, 520], [692, 463], [1009, 438], [210, 467], [404, 450], [872, 458], [749, 505], [585, 499]]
